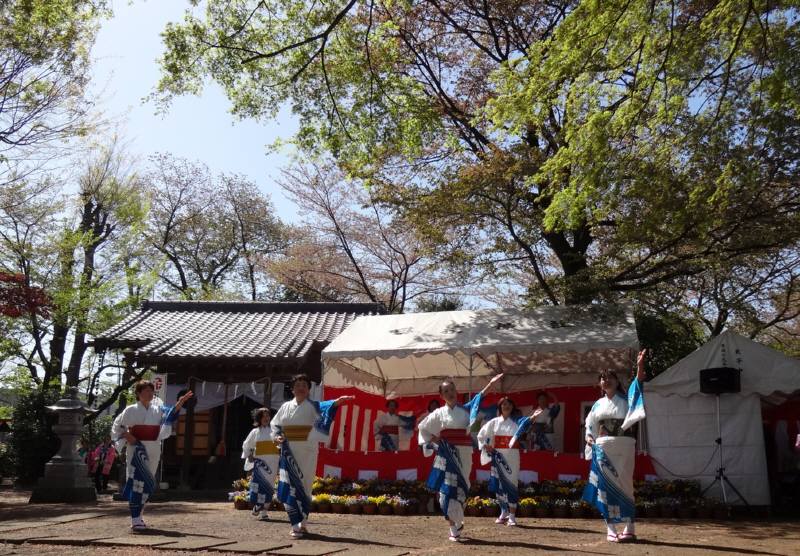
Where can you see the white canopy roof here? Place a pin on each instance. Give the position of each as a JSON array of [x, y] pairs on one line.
[[410, 354], [764, 370]]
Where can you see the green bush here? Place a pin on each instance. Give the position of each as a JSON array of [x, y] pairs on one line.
[[6, 461], [97, 430], [32, 441]]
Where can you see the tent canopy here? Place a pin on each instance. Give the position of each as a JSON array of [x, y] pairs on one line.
[[765, 371], [410, 354]]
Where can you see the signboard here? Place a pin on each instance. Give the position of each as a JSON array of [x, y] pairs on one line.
[[160, 384]]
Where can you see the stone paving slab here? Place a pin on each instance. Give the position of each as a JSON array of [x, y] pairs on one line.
[[16, 524], [194, 543], [311, 548], [135, 540], [74, 539], [76, 517], [20, 537], [251, 547], [373, 550]]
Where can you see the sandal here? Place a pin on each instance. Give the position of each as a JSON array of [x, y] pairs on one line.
[[296, 534], [627, 537], [612, 537], [501, 520]]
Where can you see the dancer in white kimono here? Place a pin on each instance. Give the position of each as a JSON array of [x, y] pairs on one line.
[[298, 427], [388, 427], [446, 432], [495, 443], [261, 456], [613, 453], [142, 427]]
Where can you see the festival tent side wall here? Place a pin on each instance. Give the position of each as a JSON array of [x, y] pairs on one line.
[[682, 421], [406, 357]]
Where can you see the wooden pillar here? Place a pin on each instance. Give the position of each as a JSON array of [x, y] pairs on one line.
[[188, 442]]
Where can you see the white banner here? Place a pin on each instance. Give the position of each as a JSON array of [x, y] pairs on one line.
[[160, 383]]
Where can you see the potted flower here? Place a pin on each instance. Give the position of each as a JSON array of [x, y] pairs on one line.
[[473, 507], [722, 511], [667, 507], [338, 504], [384, 506], [370, 506], [491, 508], [241, 484], [354, 503], [323, 503], [276, 505], [703, 508], [526, 507], [686, 509], [240, 501], [561, 507], [645, 508], [543, 507]]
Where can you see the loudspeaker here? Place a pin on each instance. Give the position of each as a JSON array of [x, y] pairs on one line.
[[720, 380]]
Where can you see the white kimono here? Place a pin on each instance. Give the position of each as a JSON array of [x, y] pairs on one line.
[[138, 414], [615, 408], [306, 451], [259, 445], [387, 420], [500, 426]]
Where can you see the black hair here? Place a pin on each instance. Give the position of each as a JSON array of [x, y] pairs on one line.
[[301, 377], [259, 413]]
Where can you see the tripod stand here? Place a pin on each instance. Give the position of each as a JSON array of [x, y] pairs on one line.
[[721, 478]]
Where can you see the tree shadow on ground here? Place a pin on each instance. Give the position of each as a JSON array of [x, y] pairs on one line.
[[348, 540], [709, 547], [516, 544]]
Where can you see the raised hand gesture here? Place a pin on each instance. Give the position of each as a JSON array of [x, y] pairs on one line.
[[641, 374], [183, 399]]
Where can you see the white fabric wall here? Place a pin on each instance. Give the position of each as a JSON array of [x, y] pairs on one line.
[[212, 394], [681, 432]]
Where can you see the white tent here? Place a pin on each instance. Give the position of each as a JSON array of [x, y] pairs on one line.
[[682, 422], [396, 355]]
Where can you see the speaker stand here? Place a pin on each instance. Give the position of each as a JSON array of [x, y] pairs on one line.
[[720, 477]]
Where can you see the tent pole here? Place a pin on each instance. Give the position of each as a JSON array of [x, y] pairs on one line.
[[471, 357]]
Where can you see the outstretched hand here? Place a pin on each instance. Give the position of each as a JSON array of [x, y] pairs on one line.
[[183, 399], [641, 374], [342, 399]]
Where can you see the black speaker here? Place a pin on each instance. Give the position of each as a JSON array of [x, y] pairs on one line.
[[720, 380]]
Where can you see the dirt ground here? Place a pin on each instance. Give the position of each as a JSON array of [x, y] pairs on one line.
[[387, 535]]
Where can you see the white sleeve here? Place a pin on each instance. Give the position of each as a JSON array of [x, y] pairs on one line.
[[277, 421], [591, 423], [119, 428], [486, 434], [378, 423], [430, 426], [249, 444]]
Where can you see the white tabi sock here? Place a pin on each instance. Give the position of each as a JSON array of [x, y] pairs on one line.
[[612, 529]]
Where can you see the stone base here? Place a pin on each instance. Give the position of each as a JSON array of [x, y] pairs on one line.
[[43, 494]]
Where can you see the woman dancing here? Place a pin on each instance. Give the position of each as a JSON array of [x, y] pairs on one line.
[[613, 452]]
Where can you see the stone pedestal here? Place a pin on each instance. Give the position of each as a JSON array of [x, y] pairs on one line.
[[66, 476]]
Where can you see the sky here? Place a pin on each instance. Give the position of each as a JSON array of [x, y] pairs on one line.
[[200, 128]]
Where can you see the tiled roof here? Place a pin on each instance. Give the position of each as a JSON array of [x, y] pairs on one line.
[[252, 330]]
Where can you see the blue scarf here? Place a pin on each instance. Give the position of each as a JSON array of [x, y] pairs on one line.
[[261, 489], [500, 484], [291, 491], [446, 477], [142, 484]]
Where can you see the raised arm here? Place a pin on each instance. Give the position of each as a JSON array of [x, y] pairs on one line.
[[495, 378], [641, 373]]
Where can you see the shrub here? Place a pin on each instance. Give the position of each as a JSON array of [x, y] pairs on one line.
[[33, 442]]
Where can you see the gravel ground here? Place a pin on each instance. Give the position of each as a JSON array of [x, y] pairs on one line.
[[393, 534]]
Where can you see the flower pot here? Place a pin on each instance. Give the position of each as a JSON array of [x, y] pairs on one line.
[[721, 512], [277, 506], [385, 510], [355, 508], [472, 511], [542, 511], [524, 511], [399, 510], [370, 509], [560, 511], [667, 511], [338, 508], [323, 507], [491, 511], [685, 512], [241, 504], [577, 513], [704, 512], [422, 509]]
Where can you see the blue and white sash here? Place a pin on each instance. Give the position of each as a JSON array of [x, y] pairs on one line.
[[447, 479], [261, 489], [141, 484], [610, 484], [387, 442], [291, 491], [501, 482]]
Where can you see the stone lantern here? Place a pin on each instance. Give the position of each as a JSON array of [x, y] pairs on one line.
[[66, 476]]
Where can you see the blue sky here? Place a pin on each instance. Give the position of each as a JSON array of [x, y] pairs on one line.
[[199, 128]]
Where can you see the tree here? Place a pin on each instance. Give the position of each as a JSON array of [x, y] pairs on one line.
[[351, 248], [70, 251], [44, 53], [603, 147], [210, 230]]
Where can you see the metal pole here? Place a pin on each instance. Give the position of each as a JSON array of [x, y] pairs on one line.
[[721, 471]]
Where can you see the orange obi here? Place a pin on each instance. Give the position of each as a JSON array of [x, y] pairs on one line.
[[456, 437], [297, 433], [145, 432], [267, 448], [503, 442], [389, 429]]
